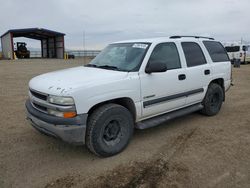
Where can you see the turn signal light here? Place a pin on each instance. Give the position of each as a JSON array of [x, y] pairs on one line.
[[69, 114]]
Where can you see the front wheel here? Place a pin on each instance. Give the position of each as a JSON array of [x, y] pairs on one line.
[[213, 100], [109, 129]]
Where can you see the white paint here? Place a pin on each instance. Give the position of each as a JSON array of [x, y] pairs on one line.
[[90, 86]]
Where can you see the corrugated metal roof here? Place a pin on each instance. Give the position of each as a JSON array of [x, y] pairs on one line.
[[34, 33]]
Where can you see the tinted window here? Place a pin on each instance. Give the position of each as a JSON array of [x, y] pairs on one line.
[[245, 48], [166, 53], [193, 54], [232, 48], [248, 48], [216, 51]]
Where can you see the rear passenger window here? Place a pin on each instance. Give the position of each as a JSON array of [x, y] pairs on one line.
[[166, 53], [193, 54], [216, 51]]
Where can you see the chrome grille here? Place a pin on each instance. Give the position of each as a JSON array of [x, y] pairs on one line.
[[39, 107], [39, 95]]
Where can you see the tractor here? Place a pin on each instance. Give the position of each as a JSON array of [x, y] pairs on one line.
[[21, 50]]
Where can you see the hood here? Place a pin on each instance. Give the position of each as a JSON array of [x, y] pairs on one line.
[[64, 81]]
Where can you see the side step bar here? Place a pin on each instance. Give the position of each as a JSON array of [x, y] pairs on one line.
[[152, 122]]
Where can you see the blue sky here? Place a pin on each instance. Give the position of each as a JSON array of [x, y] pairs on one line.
[[113, 20]]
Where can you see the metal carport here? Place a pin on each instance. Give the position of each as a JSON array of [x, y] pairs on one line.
[[52, 42]]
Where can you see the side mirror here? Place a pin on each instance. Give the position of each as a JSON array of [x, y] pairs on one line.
[[155, 67]]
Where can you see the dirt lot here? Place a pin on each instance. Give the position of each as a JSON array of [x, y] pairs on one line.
[[192, 151]]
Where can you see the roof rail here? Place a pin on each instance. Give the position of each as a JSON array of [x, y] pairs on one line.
[[197, 37]]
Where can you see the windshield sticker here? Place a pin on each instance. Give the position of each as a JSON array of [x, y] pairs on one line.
[[140, 45]]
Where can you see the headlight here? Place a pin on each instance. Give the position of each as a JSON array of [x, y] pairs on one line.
[[61, 100]]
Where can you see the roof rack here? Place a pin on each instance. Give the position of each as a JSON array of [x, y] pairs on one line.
[[197, 37]]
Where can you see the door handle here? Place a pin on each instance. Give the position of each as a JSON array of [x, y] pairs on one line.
[[207, 72], [182, 77]]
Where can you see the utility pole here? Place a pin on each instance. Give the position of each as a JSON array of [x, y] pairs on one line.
[[83, 43]]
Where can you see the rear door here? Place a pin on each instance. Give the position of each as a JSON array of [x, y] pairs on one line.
[[233, 52], [220, 63], [198, 72]]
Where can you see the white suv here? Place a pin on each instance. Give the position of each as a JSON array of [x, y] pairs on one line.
[[239, 52], [130, 84]]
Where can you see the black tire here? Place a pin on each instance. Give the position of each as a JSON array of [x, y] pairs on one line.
[[109, 130], [213, 100]]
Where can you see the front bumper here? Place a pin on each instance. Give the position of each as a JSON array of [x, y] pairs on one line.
[[71, 130]]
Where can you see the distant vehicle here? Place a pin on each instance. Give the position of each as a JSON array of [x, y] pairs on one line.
[[130, 84], [239, 52], [21, 50], [71, 56]]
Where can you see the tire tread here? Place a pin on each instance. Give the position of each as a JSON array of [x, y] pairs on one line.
[[211, 88], [96, 114]]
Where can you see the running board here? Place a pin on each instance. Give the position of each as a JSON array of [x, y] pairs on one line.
[[154, 121]]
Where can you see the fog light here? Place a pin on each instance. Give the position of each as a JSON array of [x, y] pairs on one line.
[[55, 113], [62, 114]]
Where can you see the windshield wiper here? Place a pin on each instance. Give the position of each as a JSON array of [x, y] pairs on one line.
[[90, 65], [108, 67]]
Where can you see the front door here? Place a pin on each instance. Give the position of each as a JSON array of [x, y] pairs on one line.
[[165, 91]]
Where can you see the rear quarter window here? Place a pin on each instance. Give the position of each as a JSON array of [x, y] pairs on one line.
[[216, 51]]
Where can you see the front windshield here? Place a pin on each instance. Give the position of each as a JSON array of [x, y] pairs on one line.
[[121, 57]]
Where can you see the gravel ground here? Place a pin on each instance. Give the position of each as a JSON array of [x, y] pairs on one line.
[[192, 151]]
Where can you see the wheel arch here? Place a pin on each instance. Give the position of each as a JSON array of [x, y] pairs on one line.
[[125, 102], [220, 81]]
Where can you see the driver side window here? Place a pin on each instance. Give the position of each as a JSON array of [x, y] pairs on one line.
[[166, 53]]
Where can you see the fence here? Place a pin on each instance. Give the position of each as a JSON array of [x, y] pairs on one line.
[[82, 53], [76, 53], [35, 54]]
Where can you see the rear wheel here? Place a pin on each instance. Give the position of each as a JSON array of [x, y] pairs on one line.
[[213, 100], [109, 129]]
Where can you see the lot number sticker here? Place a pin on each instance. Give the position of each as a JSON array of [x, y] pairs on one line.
[[140, 45]]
